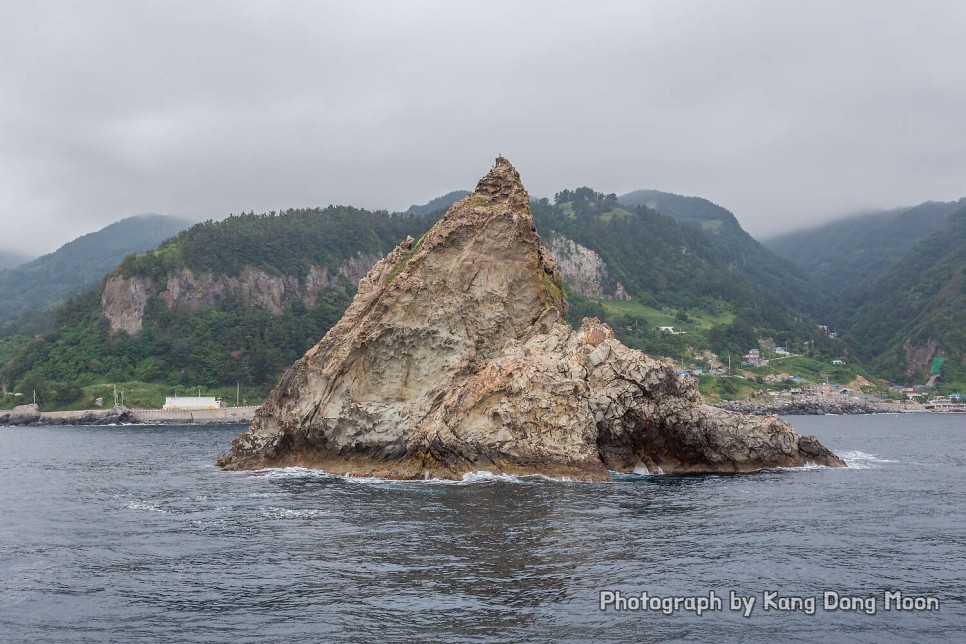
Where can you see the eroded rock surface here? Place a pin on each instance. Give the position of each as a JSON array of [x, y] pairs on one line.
[[454, 357]]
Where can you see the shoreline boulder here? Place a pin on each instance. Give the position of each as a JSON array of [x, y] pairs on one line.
[[21, 415]]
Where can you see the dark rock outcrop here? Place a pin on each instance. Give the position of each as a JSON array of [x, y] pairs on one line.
[[454, 358], [21, 415], [33, 417], [802, 407]]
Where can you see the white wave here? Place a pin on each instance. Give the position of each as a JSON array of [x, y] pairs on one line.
[[143, 505], [863, 460], [484, 476], [289, 513], [808, 466], [642, 470], [291, 473], [481, 476]]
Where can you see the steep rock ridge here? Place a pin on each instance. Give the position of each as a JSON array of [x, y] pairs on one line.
[[125, 298], [124, 301], [453, 358], [585, 269]]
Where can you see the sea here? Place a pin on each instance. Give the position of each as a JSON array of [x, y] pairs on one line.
[[130, 534]]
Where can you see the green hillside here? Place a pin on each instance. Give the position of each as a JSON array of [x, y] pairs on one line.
[[740, 252], [846, 256], [29, 291], [672, 274], [212, 346], [692, 211], [677, 276], [916, 311], [281, 243]]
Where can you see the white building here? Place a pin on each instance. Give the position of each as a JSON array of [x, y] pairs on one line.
[[188, 403]]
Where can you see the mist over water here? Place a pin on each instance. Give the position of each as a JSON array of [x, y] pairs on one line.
[[131, 533]]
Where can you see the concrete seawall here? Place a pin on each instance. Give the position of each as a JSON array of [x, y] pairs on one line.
[[225, 415]]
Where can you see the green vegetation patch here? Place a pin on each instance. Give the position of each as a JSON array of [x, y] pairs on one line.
[[607, 215], [726, 388], [555, 293], [712, 226], [401, 264]]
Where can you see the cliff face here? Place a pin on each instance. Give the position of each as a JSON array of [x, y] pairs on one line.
[[584, 269], [453, 358], [125, 298]]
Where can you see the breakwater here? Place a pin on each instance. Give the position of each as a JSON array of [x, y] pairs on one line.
[[808, 407]]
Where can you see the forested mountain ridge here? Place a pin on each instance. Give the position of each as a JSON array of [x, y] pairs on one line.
[[231, 301], [741, 253], [236, 301], [847, 255], [915, 311], [696, 212], [76, 266], [676, 275]]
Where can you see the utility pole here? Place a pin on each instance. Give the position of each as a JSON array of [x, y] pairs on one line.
[[237, 394]]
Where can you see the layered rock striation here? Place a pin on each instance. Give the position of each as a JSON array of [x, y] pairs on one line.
[[454, 358]]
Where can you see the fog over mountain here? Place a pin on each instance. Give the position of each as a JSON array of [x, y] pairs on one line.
[[781, 112]]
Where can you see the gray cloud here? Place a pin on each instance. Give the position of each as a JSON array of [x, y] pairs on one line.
[[787, 113]]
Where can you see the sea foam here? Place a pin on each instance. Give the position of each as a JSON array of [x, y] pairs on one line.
[[863, 460]]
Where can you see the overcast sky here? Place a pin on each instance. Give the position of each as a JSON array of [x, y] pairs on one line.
[[786, 113]]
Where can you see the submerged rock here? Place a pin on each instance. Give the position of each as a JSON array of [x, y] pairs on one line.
[[454, 358]]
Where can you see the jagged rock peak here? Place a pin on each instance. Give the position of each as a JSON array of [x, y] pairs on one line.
[[503, 184]]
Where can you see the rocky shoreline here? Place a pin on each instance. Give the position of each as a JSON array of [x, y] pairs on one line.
[[806, 407], [31, 416]]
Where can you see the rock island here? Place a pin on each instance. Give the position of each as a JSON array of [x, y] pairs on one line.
[[454, 357]]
